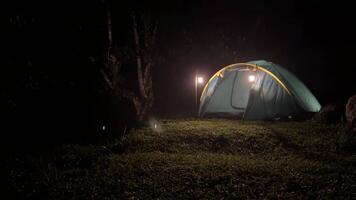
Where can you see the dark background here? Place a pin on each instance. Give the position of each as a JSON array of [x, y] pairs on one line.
[[312, 39], [53, 52]]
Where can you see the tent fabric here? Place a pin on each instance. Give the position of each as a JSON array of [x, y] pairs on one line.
[[274, 93]]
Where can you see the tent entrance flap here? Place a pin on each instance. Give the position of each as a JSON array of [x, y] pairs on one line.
[[240, 93]]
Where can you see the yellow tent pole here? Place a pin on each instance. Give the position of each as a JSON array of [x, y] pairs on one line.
[[275, 78], [253, 66]]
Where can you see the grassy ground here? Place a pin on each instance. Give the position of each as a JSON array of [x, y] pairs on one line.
[[200, 159]]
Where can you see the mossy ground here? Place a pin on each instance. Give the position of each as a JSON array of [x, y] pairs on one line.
[[200, 159]]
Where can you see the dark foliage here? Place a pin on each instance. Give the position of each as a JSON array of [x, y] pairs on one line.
[[332, 113], [51, 89]]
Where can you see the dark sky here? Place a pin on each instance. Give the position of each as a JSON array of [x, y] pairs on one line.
[[313, 39], [52, 42]]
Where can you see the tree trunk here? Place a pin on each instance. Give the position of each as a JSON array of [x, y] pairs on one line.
[[141, 83], [110, 72], [144, 100], [108, 16]]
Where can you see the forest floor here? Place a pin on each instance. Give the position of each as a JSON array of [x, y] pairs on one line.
[[199, 159]]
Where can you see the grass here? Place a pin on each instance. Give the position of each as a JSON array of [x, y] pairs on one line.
[[200, 159]]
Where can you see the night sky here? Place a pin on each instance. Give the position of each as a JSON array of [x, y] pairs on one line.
[[314, 40], [61, 42]]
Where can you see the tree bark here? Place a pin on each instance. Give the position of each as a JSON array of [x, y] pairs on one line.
[[141, 83], [110, 72], [108, 16], [143, 43]]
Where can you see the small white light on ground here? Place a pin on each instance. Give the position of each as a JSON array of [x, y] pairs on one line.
[[155, 125], [251, 78], [200, 80], [104, 128]]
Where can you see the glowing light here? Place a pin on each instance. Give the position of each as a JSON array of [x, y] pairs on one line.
[[155, 125], [200, 80], [251, 78], [104, 127]]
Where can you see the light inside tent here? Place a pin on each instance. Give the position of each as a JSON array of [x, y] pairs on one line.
[[251, 78]]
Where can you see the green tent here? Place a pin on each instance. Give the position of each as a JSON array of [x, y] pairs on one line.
[[256, 90]]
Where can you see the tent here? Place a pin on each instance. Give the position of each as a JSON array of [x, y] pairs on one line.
[[256, 90]]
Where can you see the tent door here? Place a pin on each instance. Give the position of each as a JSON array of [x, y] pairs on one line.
[[241, 90]]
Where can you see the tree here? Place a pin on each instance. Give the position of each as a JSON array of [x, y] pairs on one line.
[[144, 35], [140, 91], [113, 115], [112, 66]]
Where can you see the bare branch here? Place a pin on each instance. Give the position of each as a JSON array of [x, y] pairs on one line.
[[107, 79], [138, 57], [147, 73], [108, 15], [154, 32]]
